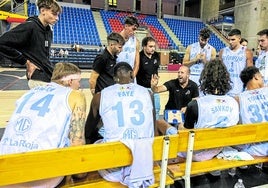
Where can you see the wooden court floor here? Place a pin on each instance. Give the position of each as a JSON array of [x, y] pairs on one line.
[[13, 84]]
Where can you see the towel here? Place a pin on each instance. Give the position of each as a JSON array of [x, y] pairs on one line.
[[229, 153], [140, 173]]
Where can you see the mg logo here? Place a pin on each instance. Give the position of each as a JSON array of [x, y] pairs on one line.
[[23, 124], [130, 134]]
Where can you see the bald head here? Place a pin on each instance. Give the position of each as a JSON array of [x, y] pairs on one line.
[[183, 75]]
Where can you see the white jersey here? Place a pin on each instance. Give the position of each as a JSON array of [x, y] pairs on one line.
[[40, 112], [253, 109], [235, 63], [223, 111], [197, 68], [128, 53], [126, 112], [262, 64]]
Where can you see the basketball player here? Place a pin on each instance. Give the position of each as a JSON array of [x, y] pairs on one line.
[[131, 48], [47, 117], [126, 110], [213, 110], [236, 57], [254, 106], [199, 53]]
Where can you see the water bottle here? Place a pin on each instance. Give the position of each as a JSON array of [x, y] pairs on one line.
[[232, 172], [239, 184]]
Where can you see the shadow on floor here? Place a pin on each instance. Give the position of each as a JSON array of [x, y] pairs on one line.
[[251, 177]]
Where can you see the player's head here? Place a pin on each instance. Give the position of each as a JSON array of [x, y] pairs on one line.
[[67, 74], [234, 37], [251, 75], [131, 25], [204, 35], [123, 73], [115, 43], [215, 78]]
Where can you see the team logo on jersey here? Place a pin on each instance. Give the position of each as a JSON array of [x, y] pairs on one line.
[[23, 124], [254, 92], [130, 134], [125, 91], [220, 101]]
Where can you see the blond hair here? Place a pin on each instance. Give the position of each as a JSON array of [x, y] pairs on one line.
[[62, 70]]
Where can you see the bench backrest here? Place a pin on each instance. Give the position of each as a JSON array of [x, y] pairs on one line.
[[220, 137], [17, 168]]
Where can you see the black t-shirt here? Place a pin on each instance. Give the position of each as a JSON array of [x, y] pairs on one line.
[[191, 115], [104, 65], [179, 97], [148, 67]]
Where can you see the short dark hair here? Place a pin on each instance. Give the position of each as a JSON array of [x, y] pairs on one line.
[[122, 66], [247, 74], [49, 4], [263, 32], [234, 32], [146, 40], [243, 40], [131, 20], [116, 37], [204, 33]]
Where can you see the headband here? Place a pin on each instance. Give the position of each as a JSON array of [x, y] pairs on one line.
[[71, 77]]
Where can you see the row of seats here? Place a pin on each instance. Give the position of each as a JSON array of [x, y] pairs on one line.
[[83, 59], [77, 25]]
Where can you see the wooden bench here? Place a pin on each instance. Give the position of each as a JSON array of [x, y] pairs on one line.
[[17, 168], [198, 139]]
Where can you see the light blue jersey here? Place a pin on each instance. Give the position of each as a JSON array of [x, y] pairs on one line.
[[197, 68], [262, 64], [235, 61], [126, 112], [128, 53], [254, 109], [127, 116], [40, 112], [223, 111]]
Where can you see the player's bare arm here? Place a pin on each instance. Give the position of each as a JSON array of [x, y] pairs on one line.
[[92, 81], [249, 56], [137, 59], [77, 102]]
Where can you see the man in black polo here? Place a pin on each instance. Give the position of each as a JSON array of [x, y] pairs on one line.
[[102, 70], [149, 64]]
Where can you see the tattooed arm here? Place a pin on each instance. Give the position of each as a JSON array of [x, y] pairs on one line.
[[77, 102]]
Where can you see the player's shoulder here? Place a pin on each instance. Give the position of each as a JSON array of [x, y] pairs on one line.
[[77, 94]]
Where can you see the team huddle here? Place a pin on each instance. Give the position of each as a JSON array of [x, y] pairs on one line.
[[210, 92]]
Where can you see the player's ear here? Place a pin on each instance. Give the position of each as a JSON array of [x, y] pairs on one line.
[[131, 74]]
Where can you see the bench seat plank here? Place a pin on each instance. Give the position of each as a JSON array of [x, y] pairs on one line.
[[30, 166]]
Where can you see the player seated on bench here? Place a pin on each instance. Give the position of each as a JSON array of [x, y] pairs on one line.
[[253, 106], [126, 110], [47, 117], [213, 110]]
